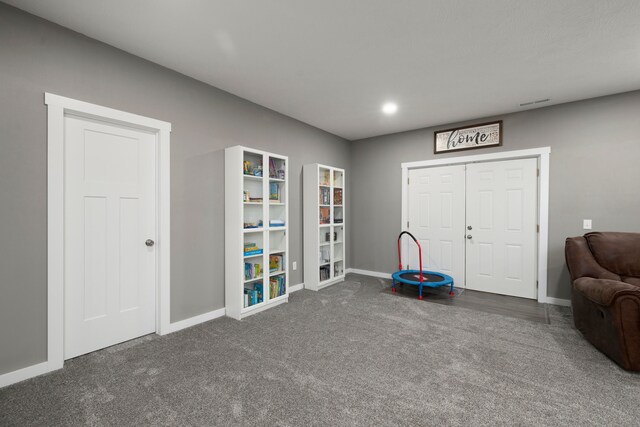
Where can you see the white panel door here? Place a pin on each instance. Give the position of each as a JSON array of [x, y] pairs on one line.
[[437, 219], [501, 215], [109, 214]]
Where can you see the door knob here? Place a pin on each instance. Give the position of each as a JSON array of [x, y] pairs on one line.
[[149, 242], [469, 236], [469, 227]]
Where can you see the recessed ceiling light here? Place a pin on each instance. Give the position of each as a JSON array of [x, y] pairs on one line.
[[390, 108]]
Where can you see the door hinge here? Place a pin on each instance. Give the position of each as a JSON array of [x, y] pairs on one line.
[[538, 228], [407, 224], [536, 284], [408, 180], [537, 172]]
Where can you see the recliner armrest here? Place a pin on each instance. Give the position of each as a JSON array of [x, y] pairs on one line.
[[604, 291], [581, 262]]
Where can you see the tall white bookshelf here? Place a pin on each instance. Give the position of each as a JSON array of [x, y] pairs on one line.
[[324, 225], [256, 225]]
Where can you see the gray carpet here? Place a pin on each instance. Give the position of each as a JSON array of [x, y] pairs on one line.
[[348, 355]]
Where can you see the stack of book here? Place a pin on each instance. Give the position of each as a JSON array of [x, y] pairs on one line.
[[276, 263], [276, 223], [277, 286], [253, 295], [252, 271], [251, 248]]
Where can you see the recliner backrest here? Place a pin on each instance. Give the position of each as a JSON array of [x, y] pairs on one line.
[[617, 252]]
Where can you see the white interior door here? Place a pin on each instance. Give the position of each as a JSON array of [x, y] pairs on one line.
[[437, 219], [110, 211], [501, 214]]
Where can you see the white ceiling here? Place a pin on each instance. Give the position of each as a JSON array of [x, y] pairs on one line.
[[332, 63]]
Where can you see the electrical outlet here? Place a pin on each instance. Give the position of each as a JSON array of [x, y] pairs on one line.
[[586, 224], [294, 265]]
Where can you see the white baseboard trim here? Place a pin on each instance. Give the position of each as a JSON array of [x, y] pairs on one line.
[[559, 301], [298, 287], [24, 374], [196, 320], [368, 273]]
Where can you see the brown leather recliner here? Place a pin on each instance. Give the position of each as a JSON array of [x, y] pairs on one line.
[[605, 293]]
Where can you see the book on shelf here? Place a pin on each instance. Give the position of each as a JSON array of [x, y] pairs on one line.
[[276, 263], [274, 192], [325, 273], [251, 248], [253, 224], [324, 215], [337, 196], [252, 270], [276, 170], [325, 196], [272, 169], [277, 286], [253, 295], [276, 223]]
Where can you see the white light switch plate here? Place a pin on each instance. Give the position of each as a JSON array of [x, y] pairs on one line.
[[586, 224], [294, 265]]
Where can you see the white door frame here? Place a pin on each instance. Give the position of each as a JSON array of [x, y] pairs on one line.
[[542, 154], [57, 108]]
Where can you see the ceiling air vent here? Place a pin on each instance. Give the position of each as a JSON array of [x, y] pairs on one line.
[[539, 101]]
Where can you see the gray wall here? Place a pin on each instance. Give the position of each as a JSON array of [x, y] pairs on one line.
[[595, 173], [37, 56]]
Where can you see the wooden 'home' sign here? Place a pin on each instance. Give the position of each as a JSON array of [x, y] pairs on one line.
[[468, 137]]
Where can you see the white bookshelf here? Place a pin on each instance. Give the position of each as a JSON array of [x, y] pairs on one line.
[[324, 196], [250, 209]]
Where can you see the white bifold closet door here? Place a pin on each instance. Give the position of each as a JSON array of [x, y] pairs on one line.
[[110, 212], [502, 212], [477, 223], [436, 219]]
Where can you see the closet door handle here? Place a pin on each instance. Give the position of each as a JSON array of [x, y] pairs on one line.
[[469, 236]]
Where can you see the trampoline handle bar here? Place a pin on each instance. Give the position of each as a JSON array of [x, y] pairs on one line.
[[400, 253]]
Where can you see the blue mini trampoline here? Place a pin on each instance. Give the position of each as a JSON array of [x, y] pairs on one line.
[[419, 278]]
